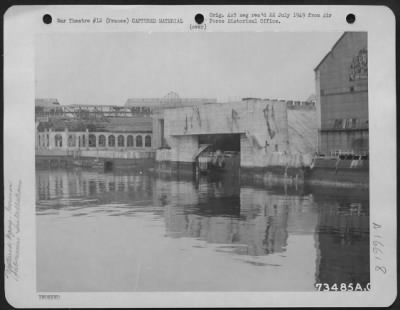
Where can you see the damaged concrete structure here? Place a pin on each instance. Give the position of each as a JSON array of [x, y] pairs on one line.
[[273, 134]]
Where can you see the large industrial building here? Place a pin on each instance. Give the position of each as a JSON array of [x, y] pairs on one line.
[[342, 97]]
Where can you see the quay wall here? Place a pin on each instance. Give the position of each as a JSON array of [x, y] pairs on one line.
[[122, 154], [125, 154]]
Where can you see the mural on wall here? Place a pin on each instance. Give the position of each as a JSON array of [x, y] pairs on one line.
[[359, 66]]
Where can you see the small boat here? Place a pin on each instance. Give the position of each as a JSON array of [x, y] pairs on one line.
[[211, 162], [203, 164]]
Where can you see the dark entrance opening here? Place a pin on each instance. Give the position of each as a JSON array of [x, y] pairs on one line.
[[222, 142], [219, 153]]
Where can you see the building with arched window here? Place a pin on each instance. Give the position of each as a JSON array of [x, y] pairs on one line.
[[85, 140]]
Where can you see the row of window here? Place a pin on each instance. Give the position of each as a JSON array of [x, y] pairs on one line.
[[80, 141], [140, 110], [349, 123]]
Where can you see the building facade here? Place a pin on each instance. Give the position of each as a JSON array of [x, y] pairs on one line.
[[78, 140], [342, 97], [104, 131]]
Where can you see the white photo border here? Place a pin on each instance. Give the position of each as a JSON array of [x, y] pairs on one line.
[[23, 23]]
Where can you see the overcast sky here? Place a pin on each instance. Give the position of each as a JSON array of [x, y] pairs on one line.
[[108, 68]]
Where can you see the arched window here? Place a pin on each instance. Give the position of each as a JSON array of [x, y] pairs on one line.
[[129, 141], [139, 141], [58, 140], [39, 140], [121, 140], [102, 141], [147, 141], [71, 140], [111, 140], [92, 140]]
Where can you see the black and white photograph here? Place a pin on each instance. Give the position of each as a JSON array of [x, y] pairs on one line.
[[202, 162], [185, 157]]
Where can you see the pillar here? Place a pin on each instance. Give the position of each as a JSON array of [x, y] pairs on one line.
[[125, 141], [76, 140], [87, 139], [51, 139], [97, 141], [64, 136]]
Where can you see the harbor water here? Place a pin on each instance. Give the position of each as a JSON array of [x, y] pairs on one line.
[[139, 230]]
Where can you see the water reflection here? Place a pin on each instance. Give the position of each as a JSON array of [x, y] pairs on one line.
[[343, 237], [210, 233]]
